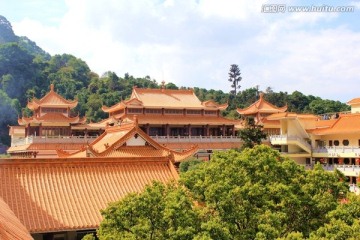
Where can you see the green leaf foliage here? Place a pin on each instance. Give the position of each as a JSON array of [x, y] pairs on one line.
[[253, 194], [252, 134], [258, 194], [159, 212], [189, 164]]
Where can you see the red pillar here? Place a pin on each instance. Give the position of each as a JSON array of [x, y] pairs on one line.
[[207, 130]]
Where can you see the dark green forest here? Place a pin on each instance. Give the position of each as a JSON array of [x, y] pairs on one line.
[[26, 71]]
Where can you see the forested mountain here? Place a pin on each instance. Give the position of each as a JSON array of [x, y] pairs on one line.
[[26, 71]]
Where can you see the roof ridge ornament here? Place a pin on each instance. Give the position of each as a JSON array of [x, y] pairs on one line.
[[52, 87]]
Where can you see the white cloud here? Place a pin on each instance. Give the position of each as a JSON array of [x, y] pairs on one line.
[[192, 43]]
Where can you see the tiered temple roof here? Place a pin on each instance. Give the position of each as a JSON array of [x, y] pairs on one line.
[[260, 110], [261, 106], [164, 98], [49, 116], [51, 99], [51, 119]]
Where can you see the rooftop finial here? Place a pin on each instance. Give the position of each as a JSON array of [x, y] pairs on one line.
[[51, 87]]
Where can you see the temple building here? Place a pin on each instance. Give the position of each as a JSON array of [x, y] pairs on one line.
[[50, 127], [177, 118], [259, 111], [174, 118], [61, 198], [127, 140]]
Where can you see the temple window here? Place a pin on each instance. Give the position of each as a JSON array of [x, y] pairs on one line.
[[53, 110], [193, 112], [210, 112], [336, 142], [173, 111], [135, 110], [346, 142], [119, 111], [153, 111]]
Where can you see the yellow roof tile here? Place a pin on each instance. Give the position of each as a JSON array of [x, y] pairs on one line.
[[51, 99], [62, 195], [164, 98], [261, 106], [10, 226], [52, 118], [181, 119], [354, 101], [345, 124], [113, 143]]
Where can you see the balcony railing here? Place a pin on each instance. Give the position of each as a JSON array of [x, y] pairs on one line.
[[337, 150], [348, 170], [196, 139], [284, 139], [53, 139]]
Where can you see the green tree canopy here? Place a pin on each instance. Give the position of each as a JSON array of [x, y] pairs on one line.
[[159, 212], [253, 194], [234, 78], [252, 134]]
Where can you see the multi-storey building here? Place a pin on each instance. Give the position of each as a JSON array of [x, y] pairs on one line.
[[177, 118], [333, 141]]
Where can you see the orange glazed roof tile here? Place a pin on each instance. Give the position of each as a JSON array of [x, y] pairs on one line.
[[51, 118], [167, 98], [51, 99], [10, 226], [325, 123], [267, 123], [261, 106], [345, 124], [127, 140], [354, 101], [185, 120], [68, 194], [278, 116], [164, 98]]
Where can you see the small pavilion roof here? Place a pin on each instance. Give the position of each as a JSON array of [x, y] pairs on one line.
[[10, 225], [261, 106], [52, 100], [165, 98], [52, 118], [54, 195], [127, 140]]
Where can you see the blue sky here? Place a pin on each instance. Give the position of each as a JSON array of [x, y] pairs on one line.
[[192, 43]]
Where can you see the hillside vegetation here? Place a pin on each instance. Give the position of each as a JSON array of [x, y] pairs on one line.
[[26, 71]]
